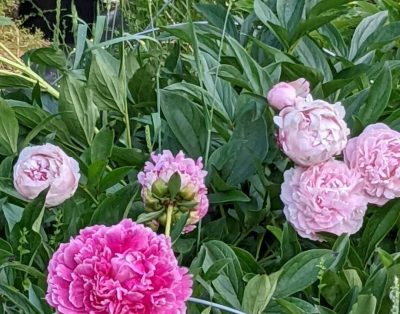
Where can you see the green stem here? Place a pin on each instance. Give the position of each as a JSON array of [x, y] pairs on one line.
[[28, 71], [84, 188], [170, 210], [128, 128]]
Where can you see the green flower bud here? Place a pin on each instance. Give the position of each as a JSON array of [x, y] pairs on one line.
[[159, 188], [153, 225], [188, 192], [177, 216], [162, 219], [151, 203]]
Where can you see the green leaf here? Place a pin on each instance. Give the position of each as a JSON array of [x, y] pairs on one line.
[[378, 97], [248, 262], [366, 304], [129, 156], [106, 83], [95, 172], [113, 177], [186, 122], [50, 57], [376, 285], [80, 113], [342, 248], [255, 75], [14, 81], [258, 293], [216, 15], [310, 54], [367, 26], [102, 145], [80, 43], [37, 129], [116, 206], [179, 226], [289, 307], [8, 128], [7, 187], [302, 271], [229, 284], [290, 245], [25, 268], [248, 145], [378, 226], [12, 213], [149, 216], [37, 224], [269, 19], [30, 117], [214, 271], [289, 12], [228, 197], [18, 299], [174, 184]]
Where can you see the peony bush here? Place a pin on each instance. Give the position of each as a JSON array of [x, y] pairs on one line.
[[240, 157]]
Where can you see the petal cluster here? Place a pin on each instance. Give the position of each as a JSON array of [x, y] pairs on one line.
[[163, 166], [284, 95], [326, 197], [121, 269], [375, 155], [40, 167], [312, 131]]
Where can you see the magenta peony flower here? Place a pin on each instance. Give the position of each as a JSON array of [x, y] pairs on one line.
[[375, 154], [325, 197], [312, 131], [39, 167], [284, 94], [122, 269], [156, 175]]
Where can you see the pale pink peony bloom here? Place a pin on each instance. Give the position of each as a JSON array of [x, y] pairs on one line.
[[40, 167], [375, 154], [163, 166], [326, 197], [122, 269], [284, 94], [312, 131]]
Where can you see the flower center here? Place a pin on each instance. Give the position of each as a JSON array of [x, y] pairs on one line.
[[41, 168]]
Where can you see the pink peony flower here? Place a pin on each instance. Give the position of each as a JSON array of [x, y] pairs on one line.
[[326, 197], [162, 166], [287, 94], [122, 269], [312, 131], [40, 167], [375, 154]]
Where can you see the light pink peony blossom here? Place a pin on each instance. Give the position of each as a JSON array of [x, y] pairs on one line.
[[375, 154], [312, 131], [122, 269], [40, 167], [284, 94], [326, 197], [163, 166]]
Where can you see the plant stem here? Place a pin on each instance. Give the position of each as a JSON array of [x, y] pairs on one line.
[[128, 128], [170, 209], [28, 71], [215, 305]]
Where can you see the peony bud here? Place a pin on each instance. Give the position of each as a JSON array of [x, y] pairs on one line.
[[159, 188], [284, 95], [40, 167], [192, 197], [188, 192]]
